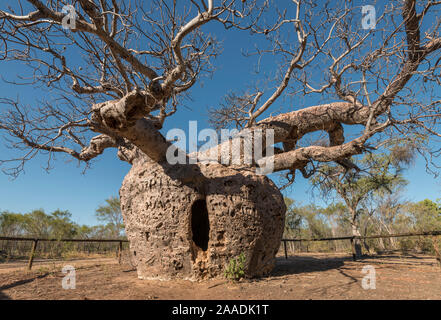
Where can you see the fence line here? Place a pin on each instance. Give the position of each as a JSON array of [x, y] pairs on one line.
[[62, 240], [121, 241], [352, 238], [35, 242]]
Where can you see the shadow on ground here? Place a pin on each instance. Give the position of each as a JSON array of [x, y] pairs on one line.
[[297, 264], [302, 264], [404, 259], [4, 296]]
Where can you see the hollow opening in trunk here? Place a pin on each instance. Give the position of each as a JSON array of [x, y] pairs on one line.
[[200, 226]]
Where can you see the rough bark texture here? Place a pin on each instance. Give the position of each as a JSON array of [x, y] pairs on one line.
[[192, 229]]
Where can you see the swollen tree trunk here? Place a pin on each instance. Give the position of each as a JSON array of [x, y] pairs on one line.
[[191, 228]]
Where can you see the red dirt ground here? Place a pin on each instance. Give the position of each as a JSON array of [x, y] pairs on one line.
[[304, 276]]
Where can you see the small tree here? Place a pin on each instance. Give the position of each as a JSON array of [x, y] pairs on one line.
[[381, 173], [336, 215], [37, 224], [293, 219], [384, 212], [425, 215], [62, 226], [11, 224]]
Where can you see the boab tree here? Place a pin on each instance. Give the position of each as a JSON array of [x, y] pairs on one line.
[[121, 68]]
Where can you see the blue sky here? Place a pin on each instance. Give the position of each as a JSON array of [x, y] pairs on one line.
[[67, 188]]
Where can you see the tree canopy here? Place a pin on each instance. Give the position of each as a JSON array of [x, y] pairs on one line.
[[59, 224], [136, 61]]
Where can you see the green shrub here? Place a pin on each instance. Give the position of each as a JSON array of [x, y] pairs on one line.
[[236, 268]]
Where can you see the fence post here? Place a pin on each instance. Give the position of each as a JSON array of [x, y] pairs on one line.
[[354, 252], [119, 252], [286, 252], [31, 256]]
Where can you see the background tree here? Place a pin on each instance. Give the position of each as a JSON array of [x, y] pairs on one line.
[[337, 218], [62, 226], [38, 224], [55, 225], [110, 213], [293, 220], [59, 225], [384, 211], [11, 224], [307, 221], [380, 174], [424, 215]]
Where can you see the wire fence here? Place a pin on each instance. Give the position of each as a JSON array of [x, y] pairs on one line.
[[12, 248], [19, 248], [347, 243]]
